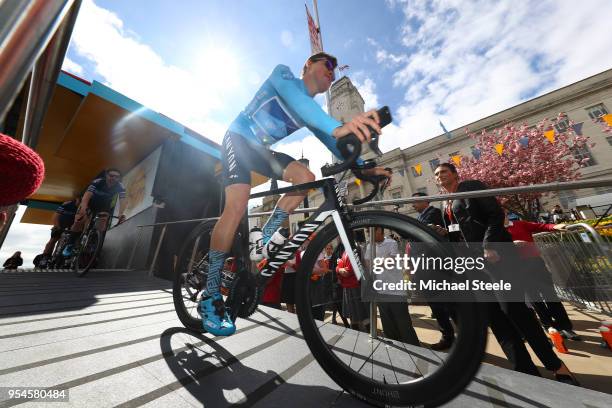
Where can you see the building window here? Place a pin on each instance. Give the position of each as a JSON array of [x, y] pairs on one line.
[[434, 163], [562, 125], [582, 152], [595, 112], [422, 190], [397, 195], [609, 139]]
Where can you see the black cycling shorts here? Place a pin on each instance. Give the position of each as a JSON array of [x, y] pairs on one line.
[[239, 157]]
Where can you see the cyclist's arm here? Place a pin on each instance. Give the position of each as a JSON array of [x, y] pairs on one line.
[[122, 205], [303, 105], [330, 143], [309, 111], [85, 200], [56, 219]]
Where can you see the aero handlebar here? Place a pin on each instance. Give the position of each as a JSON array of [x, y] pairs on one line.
[[350, 148]]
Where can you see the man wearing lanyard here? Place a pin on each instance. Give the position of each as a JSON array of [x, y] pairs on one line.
[[432, 216], [480, 223]]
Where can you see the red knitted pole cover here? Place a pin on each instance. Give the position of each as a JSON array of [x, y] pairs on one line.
[[21, 171]]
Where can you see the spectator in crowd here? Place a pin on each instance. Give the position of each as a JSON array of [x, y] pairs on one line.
[[541, 293], [394, 315], [352, 306], [481, 220], [321, 290], [337, 290], [14, 261], [558, 215], [431, 215], [288, 285]]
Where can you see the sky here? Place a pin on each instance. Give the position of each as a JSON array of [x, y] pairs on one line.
[[200, 61]]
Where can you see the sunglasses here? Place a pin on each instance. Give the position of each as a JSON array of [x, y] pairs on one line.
[[329, 65]]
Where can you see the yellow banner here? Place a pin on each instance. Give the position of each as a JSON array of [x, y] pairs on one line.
[[608, 119], [499, 148], [456, 159], [418, 168], [550, 135]]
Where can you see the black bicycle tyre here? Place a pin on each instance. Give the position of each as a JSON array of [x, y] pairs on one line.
[[433, 390], [204, 228], [80, 272]]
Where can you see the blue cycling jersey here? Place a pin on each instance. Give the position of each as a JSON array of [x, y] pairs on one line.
[[280, 107]]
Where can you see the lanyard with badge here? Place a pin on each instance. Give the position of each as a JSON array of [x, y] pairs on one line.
[[453, 226]]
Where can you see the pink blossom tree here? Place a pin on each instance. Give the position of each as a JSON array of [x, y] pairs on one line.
[[518, 155]]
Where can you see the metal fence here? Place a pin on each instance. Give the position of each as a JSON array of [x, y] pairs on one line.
[[580, 260]]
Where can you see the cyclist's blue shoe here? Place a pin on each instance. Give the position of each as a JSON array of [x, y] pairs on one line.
[[67, 252], [215, 319]]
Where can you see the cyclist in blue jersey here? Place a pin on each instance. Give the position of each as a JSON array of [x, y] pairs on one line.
[[100, 197], [282, 105]]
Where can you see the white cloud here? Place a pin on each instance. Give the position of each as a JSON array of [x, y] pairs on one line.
[[463, 61], [189, 95], [72, 67], [287, 38], [30, 239]]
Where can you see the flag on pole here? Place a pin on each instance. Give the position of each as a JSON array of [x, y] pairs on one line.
[[315, 39], [476, 153], [343, 67], [418, 168], [446, 132], [456, 159], [608, 119], [524, 141]]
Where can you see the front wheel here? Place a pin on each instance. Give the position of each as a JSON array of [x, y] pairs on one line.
[[395, 368], [87, 252]]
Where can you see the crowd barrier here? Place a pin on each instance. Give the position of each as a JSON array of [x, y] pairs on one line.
[[580, 260]]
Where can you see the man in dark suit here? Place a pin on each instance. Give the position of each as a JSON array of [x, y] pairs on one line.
[[430, 215]]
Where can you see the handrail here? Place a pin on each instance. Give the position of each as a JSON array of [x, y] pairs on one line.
[[558, 186]]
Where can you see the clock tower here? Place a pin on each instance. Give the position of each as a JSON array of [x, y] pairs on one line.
[[346, 101]]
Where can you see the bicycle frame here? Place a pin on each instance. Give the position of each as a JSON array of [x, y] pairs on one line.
[[333, 206]]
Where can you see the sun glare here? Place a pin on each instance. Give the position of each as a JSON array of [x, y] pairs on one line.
[[218, 67]]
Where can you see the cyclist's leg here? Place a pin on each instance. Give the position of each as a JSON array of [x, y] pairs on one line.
[[237, 182], [75, 231], [56, 233], [295, 173], [236, 201]]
